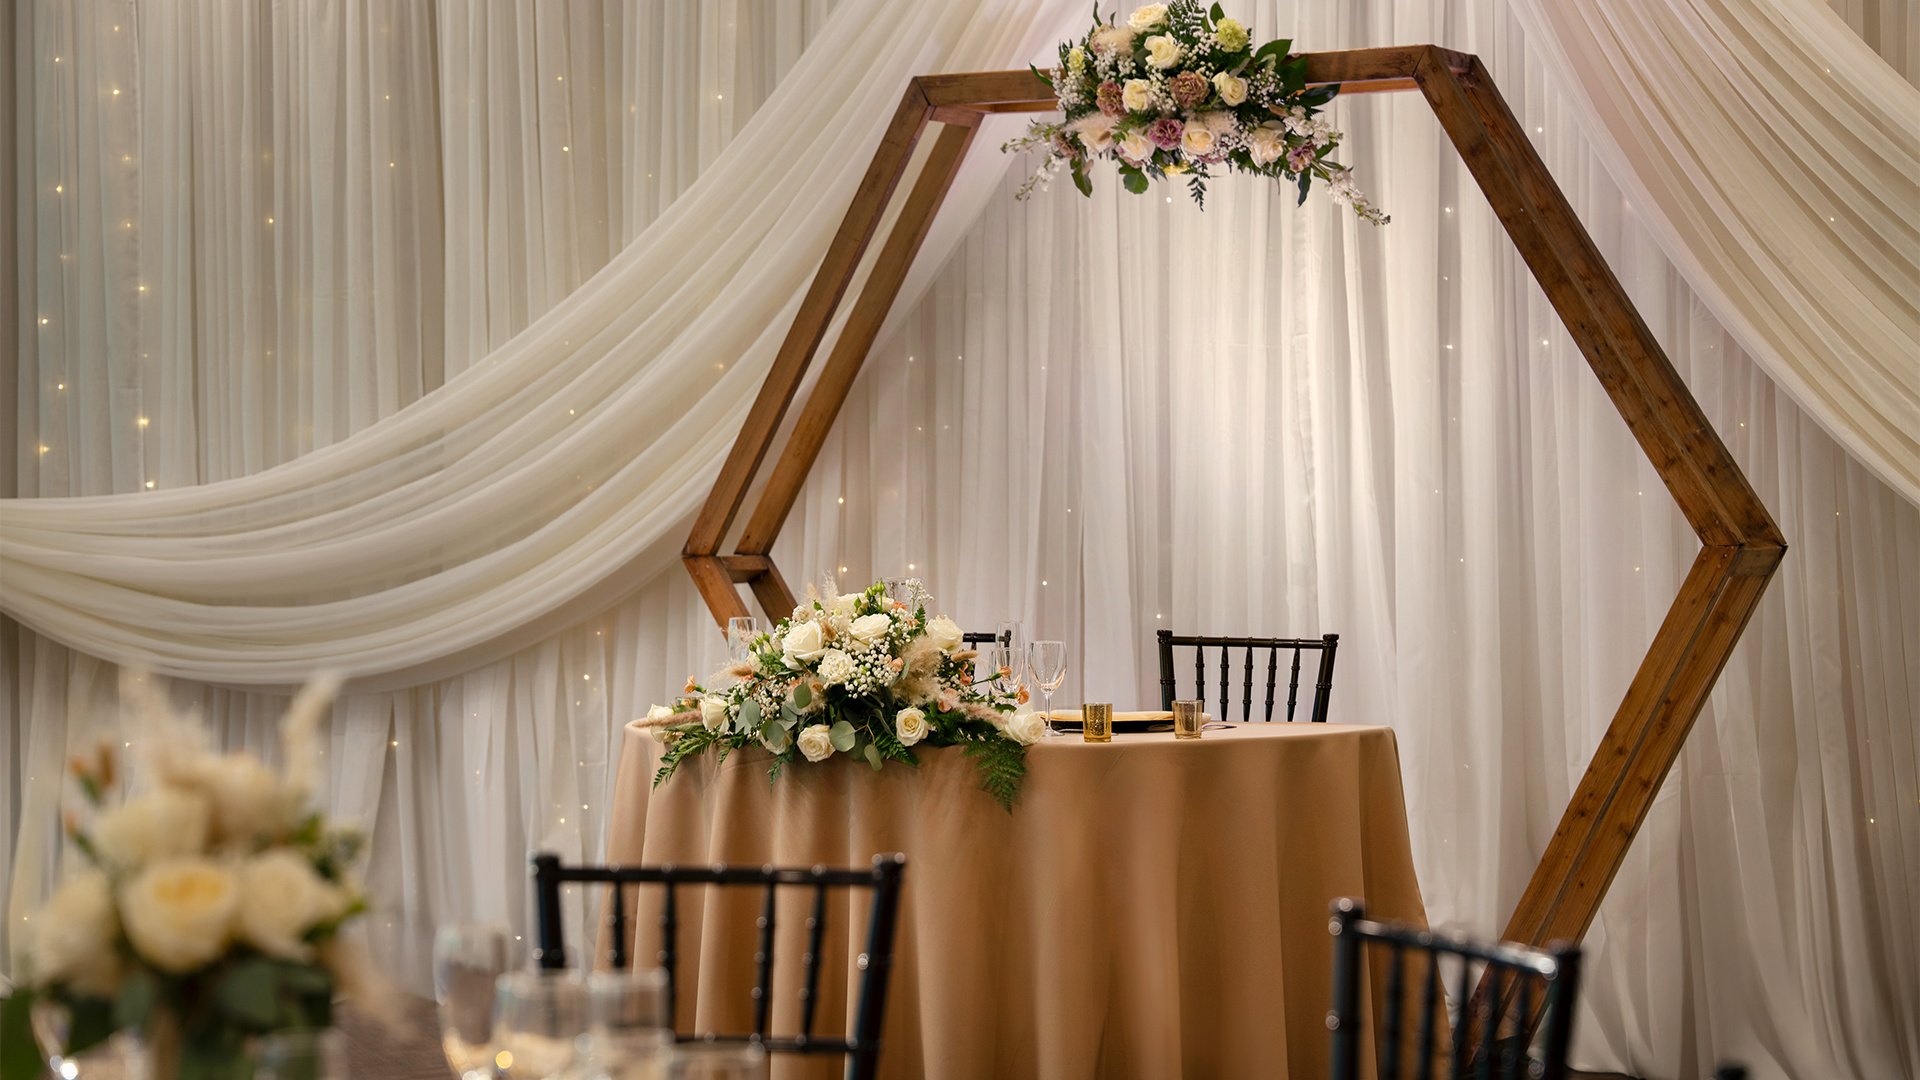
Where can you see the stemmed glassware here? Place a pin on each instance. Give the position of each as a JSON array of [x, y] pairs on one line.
[[543, 1020], [467, 960], [1047, 661], [741, 630]]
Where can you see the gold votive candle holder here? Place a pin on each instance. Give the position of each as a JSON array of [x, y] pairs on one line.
[[1187, 719], [1096, 723]]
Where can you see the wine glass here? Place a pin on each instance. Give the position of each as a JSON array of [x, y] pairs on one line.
[[543, 1018], [630, 1031], [1008, 664], [741, 630], [1047, 660], [467, 960], [717, 1061]]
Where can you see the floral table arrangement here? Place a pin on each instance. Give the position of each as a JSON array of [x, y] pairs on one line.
[[862, 674], [1180, 90], [208, 911]]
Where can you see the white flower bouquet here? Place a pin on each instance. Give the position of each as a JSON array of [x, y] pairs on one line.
[[209, 909], [1178, 90], [860, 674]]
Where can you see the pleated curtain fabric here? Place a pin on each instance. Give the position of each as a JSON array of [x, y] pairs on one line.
[[1100, 416]]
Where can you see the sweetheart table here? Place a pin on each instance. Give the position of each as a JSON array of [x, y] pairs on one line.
[[1150, 908]]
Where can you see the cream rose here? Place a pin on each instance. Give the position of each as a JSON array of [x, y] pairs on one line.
[[659, 713], [73, 938], [248, 799], [1265, 145], [1095, 131], [1162, 52], [1198, 140], [944, 633], [1231, 88], [836, 667], [803, 644], [1147, 17], [165, 823], [871, 629], [713, 712], [179, 913], [1135, 147], [1137, 95], [814, 742], [281, 898], [910, 725], [1025, 728], [844, 604]]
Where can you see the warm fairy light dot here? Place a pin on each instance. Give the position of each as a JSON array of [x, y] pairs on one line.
[[570, 412], [563, 821], [842, 500], [59, 189], [43, 320], [116, 91], [59, 386], [1448, 209], [566, 149], [504, 1059], [393, 742], [1543, 341], [44, 448], [149, 485], [142, 288], [1169, 198], [719, 97], [1449, 346], [559, 78], [1537, 130], [126, 224], [843, 569], [1043, 584], [386, 97], [583, 806], [587, 678], [269, 220], [142, 421], [1636, 569], [126, 159]]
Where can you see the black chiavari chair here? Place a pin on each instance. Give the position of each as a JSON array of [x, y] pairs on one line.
[[1323, 682], [1532, 987], [976, 638], [861, 1048]]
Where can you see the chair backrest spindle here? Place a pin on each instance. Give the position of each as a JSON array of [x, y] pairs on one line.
[[1325, 645]]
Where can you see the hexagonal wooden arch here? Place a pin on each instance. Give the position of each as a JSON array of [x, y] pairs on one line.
[[1740, 544]]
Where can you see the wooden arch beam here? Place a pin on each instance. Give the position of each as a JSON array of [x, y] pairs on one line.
[[1740, 544]]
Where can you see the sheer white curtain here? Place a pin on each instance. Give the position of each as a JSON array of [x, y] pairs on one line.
[[1275, 419]]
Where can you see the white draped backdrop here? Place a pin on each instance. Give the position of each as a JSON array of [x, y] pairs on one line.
[[453, 269]]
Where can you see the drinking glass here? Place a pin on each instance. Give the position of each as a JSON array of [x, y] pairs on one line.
[[741, 630], [1007, 663], [1188, 718], [467, 960], [717, 1061], [299, 1055], [630, 1033], [542, 1018], [1047, 660]]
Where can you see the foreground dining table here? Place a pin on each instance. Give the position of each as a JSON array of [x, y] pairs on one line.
[[1149, 908]]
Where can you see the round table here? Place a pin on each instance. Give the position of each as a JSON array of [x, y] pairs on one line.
[[1150, 908]]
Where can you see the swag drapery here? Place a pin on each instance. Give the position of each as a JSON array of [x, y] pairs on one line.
[[1423, 464]]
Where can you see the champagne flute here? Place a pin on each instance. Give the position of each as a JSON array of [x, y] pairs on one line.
[[741, 630], [467, 960], [1047, 660]]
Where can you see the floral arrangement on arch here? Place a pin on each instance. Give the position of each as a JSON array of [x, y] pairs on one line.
[[1178, 90], [862, 674], [208, 908]]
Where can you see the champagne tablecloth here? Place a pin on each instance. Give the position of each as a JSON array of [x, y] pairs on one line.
[[1151, 908]]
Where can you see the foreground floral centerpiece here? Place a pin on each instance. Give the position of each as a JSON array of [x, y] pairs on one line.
[[862, 674], [209, 907], [1178, 90]]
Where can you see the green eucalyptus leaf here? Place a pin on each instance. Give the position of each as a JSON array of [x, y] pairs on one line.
[[1080, 179], [802, 695], [841, 735], [1305, 182], [749, 717], [873, 756], [1134, 180], [1217, 14], [775, 736], [19, 1057], [136, 1000], [248, 992]]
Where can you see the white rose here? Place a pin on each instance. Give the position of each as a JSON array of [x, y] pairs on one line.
[[1137, 95], [1162, 52], [944, 633], [1231, 88], [1198, 140], [815, 743], [836, 667], [1266, 145], [803, 645], [910, 725], [870, 629], [179, 913], [1025, 728], [1136, 147], [844, 604], [659, 712], [1147, 17], [1095, 131], [73, 938], [165, 823], [249, 801], [713, 712], [281, 898]]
